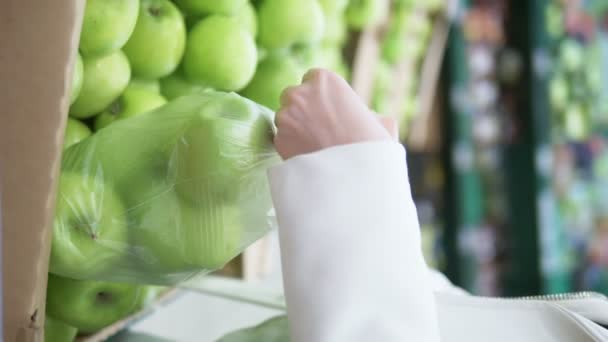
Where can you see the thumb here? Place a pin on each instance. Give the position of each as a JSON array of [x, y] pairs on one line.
[[390, 124]]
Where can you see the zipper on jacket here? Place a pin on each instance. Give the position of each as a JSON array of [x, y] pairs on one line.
[[565, 296]]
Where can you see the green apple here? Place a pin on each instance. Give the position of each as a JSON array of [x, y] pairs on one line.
[[554, 18], [392, 49], [90, 305], [248, 18], [149, 294], [157, 44], [90, 227], [173, 237], [211, 6], [221, 147], [364, 13], [57, 331], [274, 74], [107, 25], [76, 79], [220, 54], [576, 122], [283, 23], [150, 85], [335, 30], [105, 78], [75, 131], [134, 101], [558, 92], [572, 55], [333, 7], [176, 85]]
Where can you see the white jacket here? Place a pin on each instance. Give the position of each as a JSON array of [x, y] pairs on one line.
[[353, 267]]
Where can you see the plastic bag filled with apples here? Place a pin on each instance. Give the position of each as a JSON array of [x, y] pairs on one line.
[[167, 195]]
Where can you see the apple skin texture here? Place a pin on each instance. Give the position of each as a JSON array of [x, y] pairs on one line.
[[174, 237], [364, 13], [90, 305], [107, 25], [176, 85], [89, 229], [76, 79], [157, 44], [75, 131], [198, 7], [333, 6], [57, 331], [136, 100], [283, 23], [104, 79], [220, 54], [273, 75]]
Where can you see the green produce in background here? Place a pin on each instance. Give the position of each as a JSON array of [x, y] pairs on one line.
[[104, 79], [134, 101], [382, 83], [76, 79], [576, 122], [90, 305], [211, 6], [176, 85], [247, 16], [90, 225], [364, 13], [284, 23], [157, 44], [273, 75], [220, 54], [335, 30], [75, 131], [56, 331], [571, 55], [107, 25], [192, 173], [558, 92]]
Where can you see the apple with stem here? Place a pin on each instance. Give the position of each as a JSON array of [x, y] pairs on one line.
[[89, 228], [157, 44], [90, 305], [134, 101], [220, 54], [104, 79]]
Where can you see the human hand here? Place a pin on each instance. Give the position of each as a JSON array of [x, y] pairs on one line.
[[323, 112]]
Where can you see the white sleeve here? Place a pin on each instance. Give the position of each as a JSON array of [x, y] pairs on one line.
[[352, 263]]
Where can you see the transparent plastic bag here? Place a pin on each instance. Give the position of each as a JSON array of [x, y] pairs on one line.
[[167, 195]]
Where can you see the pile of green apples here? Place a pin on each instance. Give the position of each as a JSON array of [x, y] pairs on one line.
[[405, 39], [576, 85]]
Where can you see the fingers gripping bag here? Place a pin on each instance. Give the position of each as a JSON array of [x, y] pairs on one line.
[[167, 195]]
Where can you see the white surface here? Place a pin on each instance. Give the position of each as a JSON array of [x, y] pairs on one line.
[[196, 317]]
